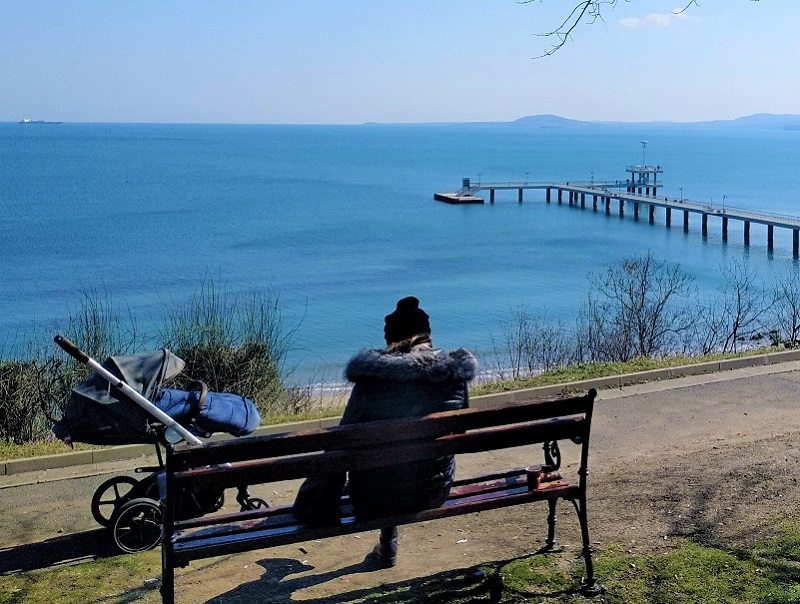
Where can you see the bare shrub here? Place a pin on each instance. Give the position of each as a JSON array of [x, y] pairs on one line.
[[634, 309], [737, 315], [785, 312], [529, 345], [20, 420]]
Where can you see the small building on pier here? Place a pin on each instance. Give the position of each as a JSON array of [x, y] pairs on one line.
[[644, 179]]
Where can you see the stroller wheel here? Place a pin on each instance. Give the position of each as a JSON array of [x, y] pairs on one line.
[[136, 526], [110, 496], [254, 503]]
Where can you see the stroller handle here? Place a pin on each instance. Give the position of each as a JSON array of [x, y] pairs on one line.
[[70, 348]]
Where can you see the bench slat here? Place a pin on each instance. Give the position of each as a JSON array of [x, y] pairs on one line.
[[327, 462], [346, 509], [365, 434], [193, 548]]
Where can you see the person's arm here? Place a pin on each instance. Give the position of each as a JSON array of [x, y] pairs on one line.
[[353, 409]]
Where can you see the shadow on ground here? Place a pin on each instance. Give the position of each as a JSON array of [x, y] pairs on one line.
[[69, 549], [276, 586]]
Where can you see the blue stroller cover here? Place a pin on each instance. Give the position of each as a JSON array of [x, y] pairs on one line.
[[207, 412]]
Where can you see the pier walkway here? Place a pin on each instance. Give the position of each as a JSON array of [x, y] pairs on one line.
[[636, 194]]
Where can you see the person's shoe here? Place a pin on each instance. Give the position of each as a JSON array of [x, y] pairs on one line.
[[382, 557]]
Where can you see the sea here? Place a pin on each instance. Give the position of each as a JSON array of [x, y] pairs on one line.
[[339, 222]]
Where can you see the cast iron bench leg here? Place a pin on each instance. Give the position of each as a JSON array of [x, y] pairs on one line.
[[550, 545], [590, 587]]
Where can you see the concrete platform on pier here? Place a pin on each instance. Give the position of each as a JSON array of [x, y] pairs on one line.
[[455, 198]]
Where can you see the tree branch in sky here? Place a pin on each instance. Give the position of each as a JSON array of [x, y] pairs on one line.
[[588, 8], [587, 11]]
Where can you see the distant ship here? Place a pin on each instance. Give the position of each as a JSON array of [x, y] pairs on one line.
[[27, 121]]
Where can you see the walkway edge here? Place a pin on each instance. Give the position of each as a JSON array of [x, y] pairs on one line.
[[121, 453]]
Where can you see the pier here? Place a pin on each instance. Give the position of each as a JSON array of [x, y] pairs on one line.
[[640, 192]]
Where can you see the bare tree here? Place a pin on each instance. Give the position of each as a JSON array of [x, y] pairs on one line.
[[786, 307], [634, 309], [709, 325], [509, 354], [737, 315]]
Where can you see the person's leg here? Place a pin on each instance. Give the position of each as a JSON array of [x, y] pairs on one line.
[[389, 545], [385, 553]]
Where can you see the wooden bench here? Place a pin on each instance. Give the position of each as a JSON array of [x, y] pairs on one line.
[[273, 458]]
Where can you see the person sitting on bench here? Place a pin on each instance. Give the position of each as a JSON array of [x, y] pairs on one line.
[[407, 379]]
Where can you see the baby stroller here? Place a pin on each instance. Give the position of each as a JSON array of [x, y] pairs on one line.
[[123, 401]]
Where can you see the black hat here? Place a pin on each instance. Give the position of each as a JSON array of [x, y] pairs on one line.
[[407, 321]]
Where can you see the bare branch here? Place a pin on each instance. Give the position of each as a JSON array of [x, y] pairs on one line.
[[563, 32], [591, 11], [678, 12]]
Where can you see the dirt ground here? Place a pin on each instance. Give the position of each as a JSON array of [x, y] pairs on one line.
[[714, 459]]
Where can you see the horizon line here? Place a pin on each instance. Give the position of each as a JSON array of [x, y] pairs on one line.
[[518, 121]]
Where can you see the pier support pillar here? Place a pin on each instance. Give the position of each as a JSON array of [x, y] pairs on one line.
[[652, 213], [686, 220], [608, 204], [770, 233], [636, 210], [724, 228], [747, 232], [705, 224], [594, 202], [668, 216], [621, 207], [491, 195], [583, 200], [520, 196], [795, 242], [560, 194], [548, 195]]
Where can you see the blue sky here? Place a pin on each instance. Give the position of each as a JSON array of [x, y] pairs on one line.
[[319, 61]]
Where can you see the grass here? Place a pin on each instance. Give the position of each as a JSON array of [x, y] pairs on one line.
[[587, 371], [38, 448], [687, 572], [115, 580]]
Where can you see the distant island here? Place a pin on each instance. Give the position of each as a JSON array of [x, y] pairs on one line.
[[27, 121], [758, 121]]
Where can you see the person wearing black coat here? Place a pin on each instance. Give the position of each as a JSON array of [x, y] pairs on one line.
[[409, 378]]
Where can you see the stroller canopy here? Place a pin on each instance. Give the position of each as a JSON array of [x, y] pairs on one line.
[[98, 413]]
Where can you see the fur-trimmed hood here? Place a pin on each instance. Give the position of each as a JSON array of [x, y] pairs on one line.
[[421, 364]]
